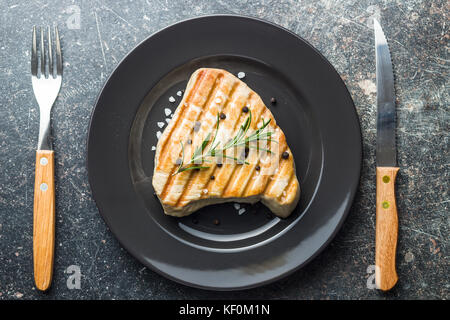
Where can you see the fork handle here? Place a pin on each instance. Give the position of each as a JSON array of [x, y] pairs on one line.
[[44, 219]]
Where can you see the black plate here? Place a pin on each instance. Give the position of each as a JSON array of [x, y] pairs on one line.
[[313, 108]]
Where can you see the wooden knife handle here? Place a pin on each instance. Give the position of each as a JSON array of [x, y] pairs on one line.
[[386, 229], [44, 219]]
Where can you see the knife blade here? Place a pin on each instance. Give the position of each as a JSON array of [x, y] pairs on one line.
[[386, 148], [386, 160]]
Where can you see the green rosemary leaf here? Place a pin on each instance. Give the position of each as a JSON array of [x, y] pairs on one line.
[[239, 139], [235, 139], [260, 129], [259, 148], [217, 129], [199, 150], [249, 120], [214, 147], [261, 136], [206, 141], [193, 168]]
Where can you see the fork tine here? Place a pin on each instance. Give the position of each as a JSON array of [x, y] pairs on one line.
[[58, 53], [50, 53], [42, 53], [34, 64]]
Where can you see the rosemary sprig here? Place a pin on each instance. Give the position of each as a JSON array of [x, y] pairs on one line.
[[200, 156]]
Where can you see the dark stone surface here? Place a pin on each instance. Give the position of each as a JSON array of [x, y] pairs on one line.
[[418, 34]]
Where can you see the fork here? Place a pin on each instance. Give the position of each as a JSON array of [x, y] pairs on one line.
[[46, 77]]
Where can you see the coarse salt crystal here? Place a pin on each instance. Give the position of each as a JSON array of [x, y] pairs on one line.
[[167, 111], [241, 75], [237, 206], [171, 99], [179, 93], [197, 126], [205, 191], [241, 211], [218, 100], [153, 148], [167, 120], [158, 134], [160, 124]]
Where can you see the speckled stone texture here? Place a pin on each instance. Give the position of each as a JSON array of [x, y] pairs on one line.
[[418, 35]]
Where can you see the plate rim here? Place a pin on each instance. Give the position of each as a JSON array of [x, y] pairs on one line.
[[282, 275]]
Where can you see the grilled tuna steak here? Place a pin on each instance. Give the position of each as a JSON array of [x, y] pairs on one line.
[[217, 104]]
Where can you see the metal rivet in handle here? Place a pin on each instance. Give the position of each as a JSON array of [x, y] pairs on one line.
[[43, 161], [386, 179], [43, 186], [385, 204]]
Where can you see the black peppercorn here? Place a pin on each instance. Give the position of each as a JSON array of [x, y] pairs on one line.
[[246, 151], [245, 109], [257, 168], [223, 116], [212, 177], [273, 100], [219, 165], [189, 141], [285, 155]]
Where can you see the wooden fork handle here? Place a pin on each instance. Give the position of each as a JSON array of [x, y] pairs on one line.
[[44, 219], [386, 229]]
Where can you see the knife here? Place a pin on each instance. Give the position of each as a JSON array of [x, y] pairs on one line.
[[387, 169]]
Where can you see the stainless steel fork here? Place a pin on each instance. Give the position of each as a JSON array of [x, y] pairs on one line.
[[46, 77]]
